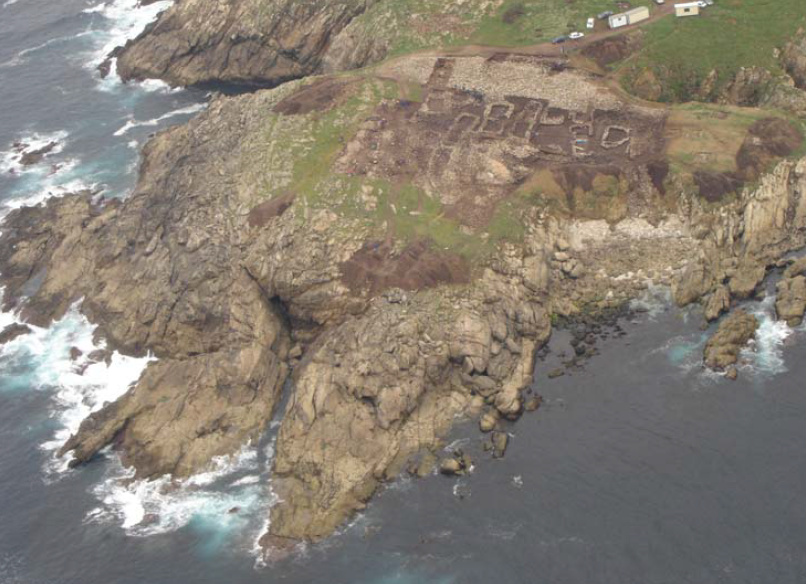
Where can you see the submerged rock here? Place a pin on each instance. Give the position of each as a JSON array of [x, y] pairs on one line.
[[499, 441]]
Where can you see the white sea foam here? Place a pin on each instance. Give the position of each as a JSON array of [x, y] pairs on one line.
[[11, 158], [127, 19], [222, 499], [22, 57], [764, 357], [653, 301], [79, 385], [188, 110]]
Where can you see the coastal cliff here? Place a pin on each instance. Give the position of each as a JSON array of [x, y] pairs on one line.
[[399, 241], [240, 42]]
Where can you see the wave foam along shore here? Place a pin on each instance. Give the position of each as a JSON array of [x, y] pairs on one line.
[[765, 356], [66, 360], [226, 502], [188, 110], [127, 20], [82, 375]]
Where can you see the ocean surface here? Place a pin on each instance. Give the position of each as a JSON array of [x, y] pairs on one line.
[[640, 467]]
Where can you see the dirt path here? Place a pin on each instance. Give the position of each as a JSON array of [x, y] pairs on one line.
[[546, 49]]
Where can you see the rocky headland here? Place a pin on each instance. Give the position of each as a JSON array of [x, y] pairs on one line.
[[398, 240]]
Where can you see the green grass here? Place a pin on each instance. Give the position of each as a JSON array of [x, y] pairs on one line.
[[540, 20], [412, 25], [725, 37]]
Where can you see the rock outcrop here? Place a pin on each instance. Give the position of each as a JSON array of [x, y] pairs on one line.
[[734, 332], [790, 302], [365, 240], [13, 331], [241, 42]]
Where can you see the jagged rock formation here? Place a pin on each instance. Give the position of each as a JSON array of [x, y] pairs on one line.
[[413, 250], [733, 334], [790, 303], [241, 42]]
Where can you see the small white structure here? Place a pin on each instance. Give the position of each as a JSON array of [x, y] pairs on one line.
[[632, 16], [687, 9], [618, 20]]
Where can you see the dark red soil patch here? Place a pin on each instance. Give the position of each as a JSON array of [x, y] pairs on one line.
[[376, 268], [261, 214], [768, 139], [574, 176], [658, 171], [513, 13], [322, 95], [612, 49], [714, 185]]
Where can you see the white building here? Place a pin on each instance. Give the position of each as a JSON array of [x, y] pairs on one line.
[[632, 16], [687, 9]]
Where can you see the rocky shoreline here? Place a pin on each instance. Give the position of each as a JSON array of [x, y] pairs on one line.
[[295, 232]]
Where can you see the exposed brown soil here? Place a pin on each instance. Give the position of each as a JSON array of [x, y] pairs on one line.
[[581, 177], [322, 95], [461, 145], [513, 13], [375, 268], [714, 185], [658, 171], [261, 214], [609, 50], [767, 140]]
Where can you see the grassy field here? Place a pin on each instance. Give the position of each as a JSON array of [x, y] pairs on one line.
[[522, 22], [725, 37], [419, 24]]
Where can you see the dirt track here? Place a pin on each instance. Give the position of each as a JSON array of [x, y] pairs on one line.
[[548, 49]]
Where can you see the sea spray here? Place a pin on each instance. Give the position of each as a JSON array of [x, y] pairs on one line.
[[764, 357], [187, 110], [127, 19], [225, 505], [59, 360]]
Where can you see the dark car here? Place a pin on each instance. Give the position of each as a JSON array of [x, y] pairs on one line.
[[605, 15], [559, 39]]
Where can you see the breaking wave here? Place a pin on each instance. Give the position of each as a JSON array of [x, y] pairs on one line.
[[226, 498], [654, 301], [231, 498], [188, 110], [764, 357], [79, 371], [127, 19]]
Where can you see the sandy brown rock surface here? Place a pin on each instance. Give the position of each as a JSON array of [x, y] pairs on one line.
[[402, 239], [734, 332]]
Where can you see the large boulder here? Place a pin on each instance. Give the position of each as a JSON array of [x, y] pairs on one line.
[[733, 334], [790, 303]]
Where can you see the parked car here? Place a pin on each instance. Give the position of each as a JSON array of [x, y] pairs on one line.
[[559, 39], [702, 4], [590, 22], [605, 15], [660, 1], [709, 2], [576, 35]]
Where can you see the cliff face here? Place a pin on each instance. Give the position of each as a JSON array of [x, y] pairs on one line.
[[399, 241], [240, 42]]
